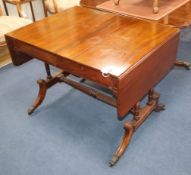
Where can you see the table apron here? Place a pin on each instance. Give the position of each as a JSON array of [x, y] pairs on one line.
[[24, 49]]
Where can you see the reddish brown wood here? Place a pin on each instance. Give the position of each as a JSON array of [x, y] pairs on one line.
[[90, 91], [155, 5], [129, 130], [136, 110], [180, 18], [145, 75], [88, 41], [136, 57], [140, 116], [43, 87], [91, 3], [62, 77], [48, 72], [19, 57], [40, 97]]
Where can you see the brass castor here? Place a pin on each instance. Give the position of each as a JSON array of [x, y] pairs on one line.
[[184, 64], [114, 160], [31, 110], [187, 65]]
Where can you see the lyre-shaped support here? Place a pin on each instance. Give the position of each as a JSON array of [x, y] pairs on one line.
[[139, 116]]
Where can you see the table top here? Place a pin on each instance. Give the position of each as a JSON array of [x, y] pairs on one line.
[[96, 39]]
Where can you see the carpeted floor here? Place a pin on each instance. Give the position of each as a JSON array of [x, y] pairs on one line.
[[73, 134]]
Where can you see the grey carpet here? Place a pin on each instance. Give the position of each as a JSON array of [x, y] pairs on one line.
[[73, 134]]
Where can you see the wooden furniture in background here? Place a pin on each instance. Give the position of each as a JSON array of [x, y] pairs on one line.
[[84, 45], [18, 4], [180, 18], [91, 3], [8, 23], [55, 6], [142, 8], [155, 5]]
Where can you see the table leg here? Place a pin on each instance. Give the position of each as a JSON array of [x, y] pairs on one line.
[[155, 6], [43, 87], [48, 72], [41, 96], [185, 64], [140, 115]]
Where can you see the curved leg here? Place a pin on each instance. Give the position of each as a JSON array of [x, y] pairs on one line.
[[185, 64], [129, 129], [116, 2], [40, 97], [43, 87], [140, 114]]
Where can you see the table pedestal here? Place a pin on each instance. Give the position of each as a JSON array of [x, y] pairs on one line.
[[140, 114]]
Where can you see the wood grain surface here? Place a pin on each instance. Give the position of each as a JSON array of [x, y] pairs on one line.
[[84, 42]]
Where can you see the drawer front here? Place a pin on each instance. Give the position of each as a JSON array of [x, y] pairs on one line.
[[66, 65]]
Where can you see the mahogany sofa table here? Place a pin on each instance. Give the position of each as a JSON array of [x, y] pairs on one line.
[[111, 51]]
